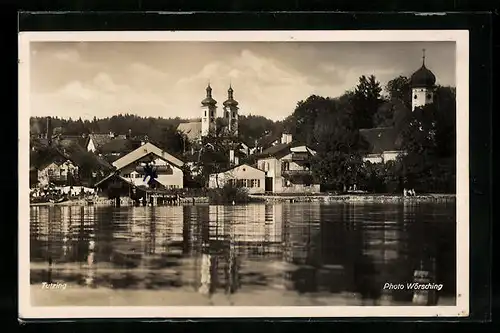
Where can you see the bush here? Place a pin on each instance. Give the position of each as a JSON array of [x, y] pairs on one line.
[[228, 194]]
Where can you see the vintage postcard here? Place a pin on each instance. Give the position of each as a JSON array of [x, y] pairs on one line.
[[243, 174]]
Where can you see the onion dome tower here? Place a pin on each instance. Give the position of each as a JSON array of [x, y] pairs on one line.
[[422, 86], [231, 111], [209, 112]]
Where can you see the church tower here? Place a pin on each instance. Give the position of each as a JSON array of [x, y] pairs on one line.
[[231, 112], [422, 86], [209, 113]]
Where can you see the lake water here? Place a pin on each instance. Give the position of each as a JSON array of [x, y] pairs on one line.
[[258, 254]]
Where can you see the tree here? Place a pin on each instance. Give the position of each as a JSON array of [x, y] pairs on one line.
[[399, 89], [419, 144], [303, 121], [172, 141], [392, 113], [338, 161], [366, 101], [430, 145]]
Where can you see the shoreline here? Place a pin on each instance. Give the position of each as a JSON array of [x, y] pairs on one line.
[[353, 198], [347, 198]]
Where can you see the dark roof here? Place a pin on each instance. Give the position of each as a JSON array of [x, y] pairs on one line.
[[119, 145], [248, 142], [58, 159], [381, 139], [281, 149], [79, 155], [423, 78], [78, 139], [266, 140]]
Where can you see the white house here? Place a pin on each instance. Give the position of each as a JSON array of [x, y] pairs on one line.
[[131, 167], [57, 171], [288, 168], [242, 175], [384, 144], [96, 141]]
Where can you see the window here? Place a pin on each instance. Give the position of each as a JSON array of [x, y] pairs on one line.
[[211, 114], [285, 166], [429, 96], [234, 114], [415, 97], [258, 182], [205, 113], [227, 114]]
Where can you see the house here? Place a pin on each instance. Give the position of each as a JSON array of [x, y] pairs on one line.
[[288, 167], [131, 168], [64, 163], [96, 141], [268, 140], [243, 175], [57, 170], [384, 144]]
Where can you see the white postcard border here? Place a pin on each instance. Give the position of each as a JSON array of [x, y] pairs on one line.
[[461, 37]]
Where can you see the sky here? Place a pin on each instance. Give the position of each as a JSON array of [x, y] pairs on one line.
[[168, 79]]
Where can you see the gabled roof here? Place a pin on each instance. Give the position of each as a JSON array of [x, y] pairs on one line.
[[279, 150], [242, 165], [58, 160], [144, 150], [119, 145], [381, 139], [191, 130], [79, 155], [267, 140]]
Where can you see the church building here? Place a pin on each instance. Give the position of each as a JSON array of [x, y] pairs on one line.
[[195, 130], [385, 142]]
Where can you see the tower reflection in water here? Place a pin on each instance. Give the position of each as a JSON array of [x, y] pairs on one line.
[[301, 248]]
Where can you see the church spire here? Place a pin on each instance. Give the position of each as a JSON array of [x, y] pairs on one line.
[[423, 57]]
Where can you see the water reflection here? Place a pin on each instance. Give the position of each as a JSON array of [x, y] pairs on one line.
[[304, 248]]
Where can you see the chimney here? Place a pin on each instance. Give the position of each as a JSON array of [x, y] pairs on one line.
[[231, 157], [129, 133], [286, 138], [49, 131]]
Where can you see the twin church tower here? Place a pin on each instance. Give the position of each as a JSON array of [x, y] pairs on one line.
[[209, 112]]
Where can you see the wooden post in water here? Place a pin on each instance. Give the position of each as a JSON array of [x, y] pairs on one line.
[[422, 278]]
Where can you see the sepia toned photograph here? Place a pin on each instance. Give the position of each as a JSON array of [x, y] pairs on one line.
[[243, 174]]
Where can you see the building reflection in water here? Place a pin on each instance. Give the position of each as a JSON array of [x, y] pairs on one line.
[[304, 248]]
